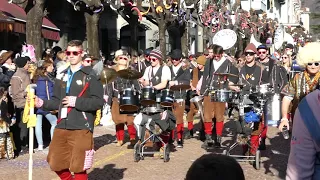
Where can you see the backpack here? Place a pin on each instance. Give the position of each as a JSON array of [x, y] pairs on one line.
[[313, 127]]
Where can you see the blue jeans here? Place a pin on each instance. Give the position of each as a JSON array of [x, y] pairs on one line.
[[53, 121]]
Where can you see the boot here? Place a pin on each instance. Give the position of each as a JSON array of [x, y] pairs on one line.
[[262, 145], [132, 141], [217, 143], [208, 142], [189, 134], [180, 143], [119, 143]]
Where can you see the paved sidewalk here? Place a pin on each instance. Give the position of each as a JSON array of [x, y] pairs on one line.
[[113, 163]]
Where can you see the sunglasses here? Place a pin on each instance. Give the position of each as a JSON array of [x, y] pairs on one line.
[[153, 59], [249, 53], [123, 58], [284, 57], [75, 53], [88, 61], [316, 64], [262, 52], [206, 54]]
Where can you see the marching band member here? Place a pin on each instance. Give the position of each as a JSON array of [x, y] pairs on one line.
[[277, 78], [120, 118], [252, 74], [179, 75], [157, 75], [196, 74], [216, 64], [303, 83]]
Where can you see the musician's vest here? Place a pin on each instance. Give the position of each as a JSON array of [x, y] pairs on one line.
[[213, 79], [155, 79], [255, 81], [177, 77]]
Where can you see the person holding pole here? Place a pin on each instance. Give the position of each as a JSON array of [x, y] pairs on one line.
[[78, 95]]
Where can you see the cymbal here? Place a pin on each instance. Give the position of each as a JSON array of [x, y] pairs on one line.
[[108, 75], [225, 74], [129, 74], [180, 87]]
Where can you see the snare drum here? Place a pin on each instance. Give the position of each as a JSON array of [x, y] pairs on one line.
[[221, 95], [264, 89], [167, 98], [129, 100], [148, 96]]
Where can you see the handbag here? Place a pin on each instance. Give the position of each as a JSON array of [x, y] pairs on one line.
[[47, 91]]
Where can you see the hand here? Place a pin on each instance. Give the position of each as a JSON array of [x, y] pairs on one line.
[[69, 101], [172, 83], [12, 67], [284, 122], [5, 99], [13, 121], [141, 80]]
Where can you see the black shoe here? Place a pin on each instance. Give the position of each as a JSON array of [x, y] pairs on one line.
[[189, 134], [262, 145], [208, 142], [179, 143], [217, 143]]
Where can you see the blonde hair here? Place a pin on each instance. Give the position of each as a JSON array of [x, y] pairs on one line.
[[308, 54]]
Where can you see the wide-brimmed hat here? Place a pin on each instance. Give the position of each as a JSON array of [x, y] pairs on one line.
[[176, 54], [4, 56]]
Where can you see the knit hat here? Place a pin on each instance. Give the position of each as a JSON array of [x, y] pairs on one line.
[[21, 61], [201, 60], [4, 55], [251, 47], [156, 53]]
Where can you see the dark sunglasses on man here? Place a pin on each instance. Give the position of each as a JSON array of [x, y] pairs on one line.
[[75, 53], [315, 63]]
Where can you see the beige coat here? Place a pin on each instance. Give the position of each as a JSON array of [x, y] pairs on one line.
[[19, 82]]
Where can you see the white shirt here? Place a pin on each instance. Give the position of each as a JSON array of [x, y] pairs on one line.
[[166, 73], [176, 68], [217, 64]]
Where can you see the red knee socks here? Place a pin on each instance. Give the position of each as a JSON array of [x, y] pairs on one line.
[[208, 128], [120, 132], [254, 142], [190, 126], [132, 131], [64, 174], [179, 131], [81, 176], [219, 128], [264, 132]]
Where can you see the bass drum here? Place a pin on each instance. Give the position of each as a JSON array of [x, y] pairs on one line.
[[167, 98], [272, 110], [148, 96], [129, 100]]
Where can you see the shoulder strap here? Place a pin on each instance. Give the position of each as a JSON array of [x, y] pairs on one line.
[[309, 120], [47, 90]]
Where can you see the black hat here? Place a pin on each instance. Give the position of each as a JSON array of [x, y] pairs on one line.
[[262, 46], [176, 54], [290, 46], [21, 61], [148, 51]]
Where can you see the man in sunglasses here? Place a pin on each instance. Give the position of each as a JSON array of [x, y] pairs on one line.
[[277, 78], [251, 75], [216, 64], [302, 83], [87, 60], [77, 101], [180, 75]]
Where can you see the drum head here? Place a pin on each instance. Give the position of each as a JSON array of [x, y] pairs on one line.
[[147, 102], [129, 108], [166, 104]]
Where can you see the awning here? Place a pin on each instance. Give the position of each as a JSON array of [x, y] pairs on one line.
[[49, 30], [6, 23]]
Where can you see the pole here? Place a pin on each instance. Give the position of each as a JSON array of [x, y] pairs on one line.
[[31, 124]]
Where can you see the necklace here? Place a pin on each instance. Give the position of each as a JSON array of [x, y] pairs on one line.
[[308, 80]]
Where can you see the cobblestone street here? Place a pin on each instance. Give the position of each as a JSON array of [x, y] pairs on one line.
[[112, 163]]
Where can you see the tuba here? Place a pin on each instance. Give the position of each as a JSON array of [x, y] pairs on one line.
[[197, 100]]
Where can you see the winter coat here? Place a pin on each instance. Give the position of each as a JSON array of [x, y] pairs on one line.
[[41, 91]]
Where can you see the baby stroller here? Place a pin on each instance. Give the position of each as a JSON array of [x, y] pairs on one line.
[[157, 124], [250, 113]]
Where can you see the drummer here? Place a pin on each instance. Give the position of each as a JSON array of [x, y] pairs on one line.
[[180, 75], [303, 83], [157, 75], [121, 118], [277, 78], [251, 74], [216, 64], [196, 75]]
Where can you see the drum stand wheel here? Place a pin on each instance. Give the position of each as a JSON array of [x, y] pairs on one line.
[[257, 160], [136, 153], [166, 153]]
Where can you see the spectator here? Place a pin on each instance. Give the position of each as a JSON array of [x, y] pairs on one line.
[[44, 90], [215, 167], [19, 82], [46, 52]]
